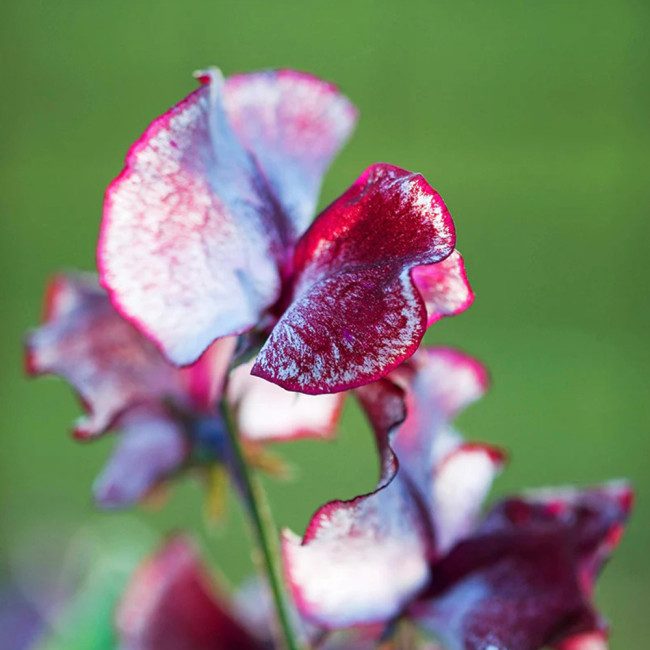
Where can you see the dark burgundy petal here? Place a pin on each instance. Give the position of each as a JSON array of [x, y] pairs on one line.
[[266, 412], [525, 578], [170, 604], [106, 359], [151, 447], [444, 287], [293, 124], [361, 561], [191, 239], [356, 312], [593, 517]]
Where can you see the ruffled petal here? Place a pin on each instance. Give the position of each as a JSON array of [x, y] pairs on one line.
[[452, 477], [444, 287], [356, 312], [267, 412], [105, 358], [361, 561], [595, 517], [525, 578], [151, 447], [191, 239], [170, 605], [293, 124]]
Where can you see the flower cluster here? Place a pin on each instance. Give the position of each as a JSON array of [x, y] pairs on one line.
[[225, 316]]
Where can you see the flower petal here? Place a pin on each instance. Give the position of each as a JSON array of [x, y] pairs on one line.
[[169, 605], [204, 380], [191, 239], [444, 287], [361, 561], [460, 485], [267, 412], [519, 581], [589, 641], [356, 313], [293, 124], [595, 517], [452, 477], [151, 446], [107, 360]]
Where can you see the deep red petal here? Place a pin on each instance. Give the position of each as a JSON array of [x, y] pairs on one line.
[[170, 605], [356, 313], [519, 581]]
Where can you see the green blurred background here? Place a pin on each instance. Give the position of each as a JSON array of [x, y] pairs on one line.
[[530, 117]]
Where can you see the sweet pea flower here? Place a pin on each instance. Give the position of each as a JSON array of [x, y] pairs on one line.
[[416, 549], [173, 603], [168, 418], [205, 235]]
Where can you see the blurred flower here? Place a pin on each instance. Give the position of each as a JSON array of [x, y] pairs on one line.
[[172, 603], [205, 236], [522, 577], [168, 418], [21, 623]]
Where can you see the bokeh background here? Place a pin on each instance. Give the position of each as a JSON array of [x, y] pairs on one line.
[[529, 117]]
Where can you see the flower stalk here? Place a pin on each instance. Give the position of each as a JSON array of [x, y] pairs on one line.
[[261, 521]]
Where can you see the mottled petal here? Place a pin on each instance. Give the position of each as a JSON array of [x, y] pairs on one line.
[[519, 580], [266, 412], [151, 447], [444, 287], [595, 517], [170, 605], [356, 312], [361, 561], [293, 124], [107, 360], [191, 237]]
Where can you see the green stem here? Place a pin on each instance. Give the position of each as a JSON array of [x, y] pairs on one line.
[[259, 513]]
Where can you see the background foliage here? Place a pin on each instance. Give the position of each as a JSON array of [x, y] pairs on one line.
[[530, 118]]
